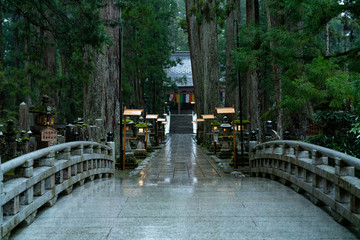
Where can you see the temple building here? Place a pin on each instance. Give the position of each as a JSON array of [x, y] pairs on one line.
[[182, 100]]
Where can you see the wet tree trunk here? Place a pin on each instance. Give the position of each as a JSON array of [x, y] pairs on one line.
[[327, 40], [50, 62], [203, 41], [195, 54], [253, 75], [274, 20], [132, 73], [209, 39], [232, 90], [101, 94]]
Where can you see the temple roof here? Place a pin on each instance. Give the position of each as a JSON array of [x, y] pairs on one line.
[[183, 69]]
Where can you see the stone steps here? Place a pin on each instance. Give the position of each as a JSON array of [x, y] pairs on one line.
[[181, 124]]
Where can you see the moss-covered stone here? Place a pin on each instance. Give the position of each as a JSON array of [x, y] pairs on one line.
[[140, 154], [225, 154]]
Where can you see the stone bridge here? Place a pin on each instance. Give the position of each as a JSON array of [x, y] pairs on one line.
[[182, 194], [37, 178]]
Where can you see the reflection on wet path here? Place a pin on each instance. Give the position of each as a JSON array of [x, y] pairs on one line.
[[181, 158]]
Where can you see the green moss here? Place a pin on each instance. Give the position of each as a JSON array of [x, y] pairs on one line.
[[243, 121], [215, 124], [141, 125], [43, 109]]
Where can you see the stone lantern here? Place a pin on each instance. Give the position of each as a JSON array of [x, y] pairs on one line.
[[140, 132], [43, 131], [148, 145], [141, 129], [128, 131], [225, 128], [215, 126], [130, 160], [46, 119], [240, 128]]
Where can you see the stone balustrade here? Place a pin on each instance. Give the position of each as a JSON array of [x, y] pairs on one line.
[[326, 176], [40, 176]]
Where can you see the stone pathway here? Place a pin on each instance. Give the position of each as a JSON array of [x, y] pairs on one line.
[[183, 195], [181, 158]]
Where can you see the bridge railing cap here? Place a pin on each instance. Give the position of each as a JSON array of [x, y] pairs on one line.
[[349, 160]]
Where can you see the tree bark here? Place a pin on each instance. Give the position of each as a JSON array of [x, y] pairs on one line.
[[253, 75], [327, 40], [195, 55], [232, 88], [203, 41], [50, 62], [274, 20], [101, 94], [210, 53]]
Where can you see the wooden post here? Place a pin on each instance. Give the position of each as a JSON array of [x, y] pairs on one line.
[[146, 130], [234, 143], [157, 132], [214, 143], [124, 143]]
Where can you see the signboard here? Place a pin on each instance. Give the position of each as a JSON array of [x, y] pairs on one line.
[[225, 110], [49, 135], [208, 116]]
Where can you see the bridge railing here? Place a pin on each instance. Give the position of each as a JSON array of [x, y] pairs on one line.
[[326, 176], [37, 178]]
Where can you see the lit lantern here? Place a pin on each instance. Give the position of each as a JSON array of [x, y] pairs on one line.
[[46, 119], [226, 133], [226, 127], [129, 124], [141, 126], [239, 127]]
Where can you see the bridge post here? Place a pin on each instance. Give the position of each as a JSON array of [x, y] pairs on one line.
[[112, 145], [341, 169], [318, 159]]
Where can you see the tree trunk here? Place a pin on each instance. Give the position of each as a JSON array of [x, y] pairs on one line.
[[195, 55], [209, 39], [253, 75], [203, 41], [50, 63], [327, 40], [101, 95], [274, 21], [232, 88]]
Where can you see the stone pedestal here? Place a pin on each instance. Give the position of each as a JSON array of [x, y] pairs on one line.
[[140, 151]]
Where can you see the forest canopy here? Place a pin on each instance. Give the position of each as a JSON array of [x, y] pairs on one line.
[[298, 61]]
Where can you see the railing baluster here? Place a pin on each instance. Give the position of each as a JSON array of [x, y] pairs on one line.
[[355, 204], [318, 158], [48, 161]]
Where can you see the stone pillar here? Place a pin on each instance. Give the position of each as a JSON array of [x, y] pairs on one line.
[[268, 134], [69, 133], [23, 117], [112, 145], [342, 169], [100, 124]]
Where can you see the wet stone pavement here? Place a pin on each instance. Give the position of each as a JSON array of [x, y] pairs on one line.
[[182, 194]]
